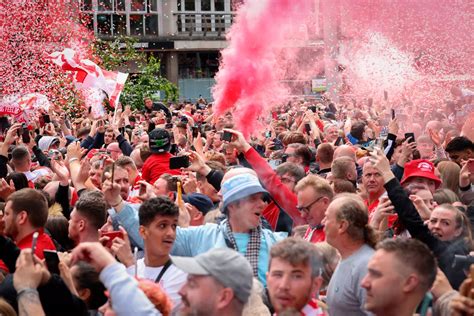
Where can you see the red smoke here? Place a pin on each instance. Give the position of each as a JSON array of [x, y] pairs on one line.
[[248, 79], [415, 48]]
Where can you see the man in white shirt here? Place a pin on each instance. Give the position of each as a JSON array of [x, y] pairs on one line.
[[158, 219]]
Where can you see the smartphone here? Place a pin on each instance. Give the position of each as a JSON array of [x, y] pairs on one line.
[[393, 114], [112, 235], [195, 131], [52, 261], [179, 162], [25, 134], [4, 125], [142, 190], [268, 134], [312, 108], [411, 136], [46, 118], [307, 128], [227, 136], [34, 242], [338, 141]]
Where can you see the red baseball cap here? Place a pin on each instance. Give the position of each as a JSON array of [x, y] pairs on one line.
[[420, 168]]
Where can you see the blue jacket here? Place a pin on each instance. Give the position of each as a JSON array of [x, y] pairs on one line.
[[195, 240]]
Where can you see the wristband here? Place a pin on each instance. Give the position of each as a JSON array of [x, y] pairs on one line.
[[73, 159], [114, 206], [26, 290]]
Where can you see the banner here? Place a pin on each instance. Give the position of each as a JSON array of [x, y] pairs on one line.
[[88, 75]]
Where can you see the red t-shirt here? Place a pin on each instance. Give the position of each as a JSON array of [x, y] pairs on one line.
[[44, 242], [315, 235], [156, 165]]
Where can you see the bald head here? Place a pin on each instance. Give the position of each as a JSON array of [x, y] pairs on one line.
[[345, 151]]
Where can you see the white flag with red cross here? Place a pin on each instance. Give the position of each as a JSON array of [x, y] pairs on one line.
[[88, 75]]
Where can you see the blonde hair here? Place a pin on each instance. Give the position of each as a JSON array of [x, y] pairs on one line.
[[449, 175], [318, 184]]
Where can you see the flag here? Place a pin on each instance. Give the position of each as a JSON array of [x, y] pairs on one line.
[[86, 74]]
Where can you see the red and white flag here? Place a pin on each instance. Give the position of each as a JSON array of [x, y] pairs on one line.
[[88, 75]]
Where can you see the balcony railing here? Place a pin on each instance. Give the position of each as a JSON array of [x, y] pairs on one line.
[[209, 24]]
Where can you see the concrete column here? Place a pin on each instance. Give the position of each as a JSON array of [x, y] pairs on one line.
[[172, 67], [168, 26]]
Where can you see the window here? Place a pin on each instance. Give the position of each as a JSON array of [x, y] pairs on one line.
[[104, 26], [219, 5], [105, 5], [120, 24], [87, 20], [137, 5], [86, 5], [205, 5], [153, 5], [189, 5], [120, 5], [151, 24], [136, 24]]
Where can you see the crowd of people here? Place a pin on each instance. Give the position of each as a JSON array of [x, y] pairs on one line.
[[349, 209]]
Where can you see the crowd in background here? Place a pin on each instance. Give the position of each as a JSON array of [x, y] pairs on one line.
[[354, 208]]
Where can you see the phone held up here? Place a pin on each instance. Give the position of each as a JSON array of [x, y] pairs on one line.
[[179, 162]]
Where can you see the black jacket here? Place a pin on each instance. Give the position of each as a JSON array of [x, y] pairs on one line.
[[444, 251]]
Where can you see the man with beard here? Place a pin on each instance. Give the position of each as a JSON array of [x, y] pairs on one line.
[[294, 277], [219, 283], [26, 212]]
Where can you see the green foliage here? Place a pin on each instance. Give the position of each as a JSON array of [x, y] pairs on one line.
[[118, 55]]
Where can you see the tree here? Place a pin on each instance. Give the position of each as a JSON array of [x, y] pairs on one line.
[[116, 55]]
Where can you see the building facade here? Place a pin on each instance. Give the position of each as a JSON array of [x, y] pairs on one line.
[[186, 35]]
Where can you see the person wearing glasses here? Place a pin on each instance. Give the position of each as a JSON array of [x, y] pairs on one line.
[[314, 195]]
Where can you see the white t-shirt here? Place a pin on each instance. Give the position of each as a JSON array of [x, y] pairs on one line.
[[171, 281]]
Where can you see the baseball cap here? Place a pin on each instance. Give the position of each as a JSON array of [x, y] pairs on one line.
[[420, 168], [225, 265], [159, 140], [240, 186], [202, 202]]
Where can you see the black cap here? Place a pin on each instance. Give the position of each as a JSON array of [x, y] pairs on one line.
[[159, 140]]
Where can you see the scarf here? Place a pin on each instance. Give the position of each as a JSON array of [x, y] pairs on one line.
[[253, 247]]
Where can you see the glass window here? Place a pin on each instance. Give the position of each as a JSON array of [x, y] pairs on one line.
[[86, 5], [120, 24], [189, 5], [153, 5], [219, 5], [120, 5], [104, 26], [136, 24], [151, 24], [87, 20], [105, 5], [137, 5], [205, 5]]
